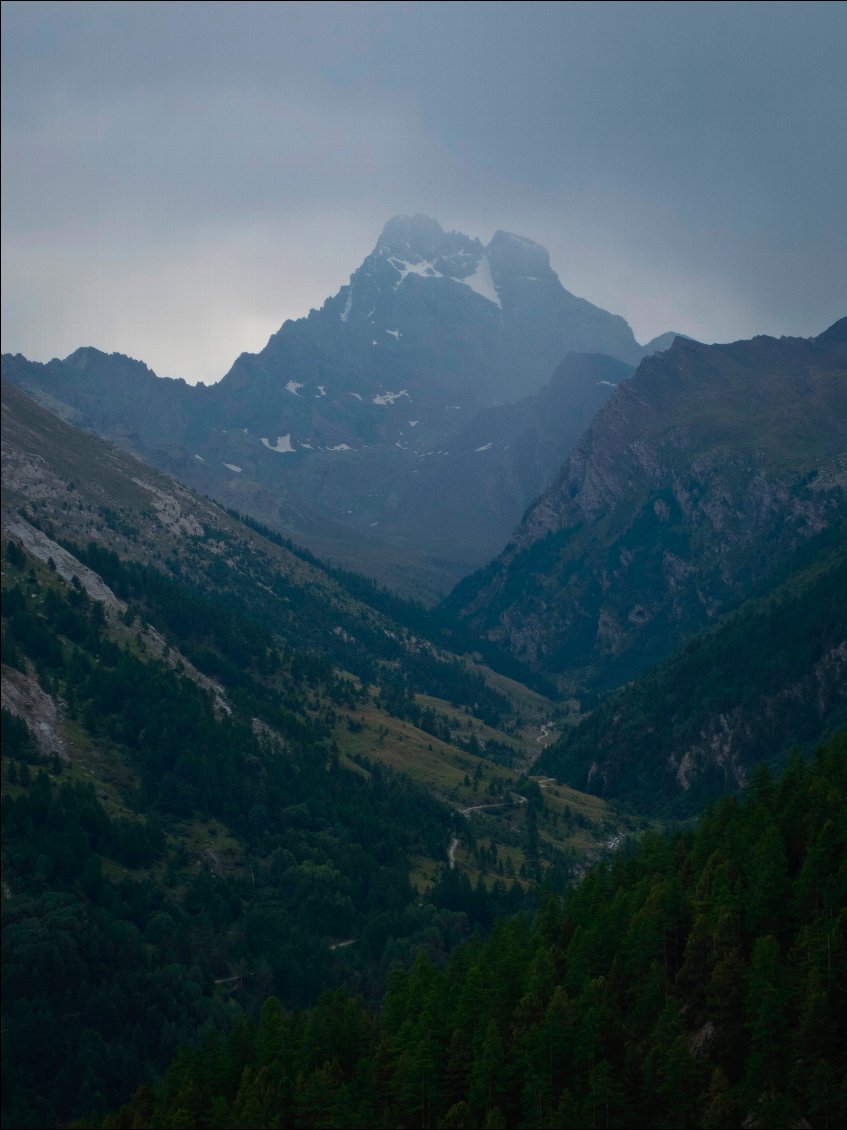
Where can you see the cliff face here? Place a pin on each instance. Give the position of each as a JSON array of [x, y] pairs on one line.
[[701, 473]]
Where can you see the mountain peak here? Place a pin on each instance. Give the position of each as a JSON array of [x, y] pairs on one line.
[[835, 335], [517, 254], [82, 357], [412, 235], [90, 359]]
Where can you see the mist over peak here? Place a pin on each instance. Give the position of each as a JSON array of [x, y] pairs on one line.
[[518, 254], [417, 235]]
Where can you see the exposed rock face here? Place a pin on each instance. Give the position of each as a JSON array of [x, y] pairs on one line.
[[67, 566], [731, 740], [329, 431], [23, 697], [701, 472]]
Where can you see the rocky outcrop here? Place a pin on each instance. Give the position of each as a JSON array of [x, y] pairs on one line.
[[23, 697]]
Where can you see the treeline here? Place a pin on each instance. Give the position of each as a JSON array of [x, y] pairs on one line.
[[213, 627], [695, 981], [436, 625], [236, 620]]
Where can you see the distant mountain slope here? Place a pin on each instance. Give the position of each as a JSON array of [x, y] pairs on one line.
[[701, 473], [61, 484], [467, 497], [771, 677], [325, 432]]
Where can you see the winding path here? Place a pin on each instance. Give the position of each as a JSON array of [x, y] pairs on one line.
[[454, 843]]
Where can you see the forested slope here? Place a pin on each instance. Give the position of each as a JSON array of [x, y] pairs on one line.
[[696, 981], [768, 677], [181, 843]]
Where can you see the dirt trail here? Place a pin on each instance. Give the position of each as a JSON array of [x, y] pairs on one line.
[[454, 843]]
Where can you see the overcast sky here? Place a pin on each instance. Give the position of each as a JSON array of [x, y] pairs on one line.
[[178, 179]]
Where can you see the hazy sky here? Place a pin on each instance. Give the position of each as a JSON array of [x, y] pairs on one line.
[[178, 179]]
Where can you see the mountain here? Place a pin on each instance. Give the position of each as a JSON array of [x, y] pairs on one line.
[[327, 433], [698, 478], [435, 319], [65, 488], [199, 815]]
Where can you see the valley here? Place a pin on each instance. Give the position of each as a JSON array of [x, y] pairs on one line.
[[217, 752]]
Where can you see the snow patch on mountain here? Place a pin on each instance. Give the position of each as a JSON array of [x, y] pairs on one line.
[[389, 397], [423, 267], [482, 282], [293, 386], [233, 467], [282, 446]]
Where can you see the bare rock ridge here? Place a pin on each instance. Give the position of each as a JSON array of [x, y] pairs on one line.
[[700, 473], [327, 432]]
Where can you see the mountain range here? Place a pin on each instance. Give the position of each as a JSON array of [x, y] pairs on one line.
[[341, 430], [227, 771]]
